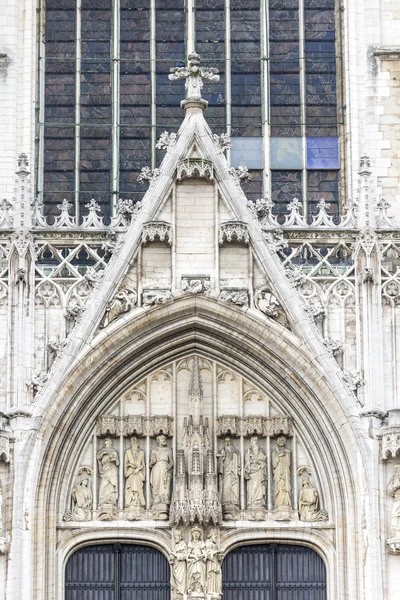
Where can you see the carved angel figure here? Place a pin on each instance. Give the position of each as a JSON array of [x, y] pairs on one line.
[[394, 491], [108, 460], [178, 565], [134, 471]]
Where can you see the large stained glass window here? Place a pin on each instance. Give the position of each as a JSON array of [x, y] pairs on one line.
[[105, 96]]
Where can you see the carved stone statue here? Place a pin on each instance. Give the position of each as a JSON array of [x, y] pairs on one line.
[[81, 498], [178, 566], [255, 471], [229, 473], [108, 461], [394, 491], [123, 302], [309, 500], [135, 473], [213, 566], [281, 466], [196, 563], [161, 464]]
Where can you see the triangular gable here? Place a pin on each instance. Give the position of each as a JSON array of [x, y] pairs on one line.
[[195, 141]]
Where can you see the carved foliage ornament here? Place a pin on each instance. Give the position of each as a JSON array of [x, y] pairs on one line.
[[195, 284], [194, 76], [153, 297]]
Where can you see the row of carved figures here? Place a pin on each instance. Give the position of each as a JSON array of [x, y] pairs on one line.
[[161, 474]]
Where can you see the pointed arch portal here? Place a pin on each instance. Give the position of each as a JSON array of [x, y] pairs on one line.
[[117, 572], [273, 572]]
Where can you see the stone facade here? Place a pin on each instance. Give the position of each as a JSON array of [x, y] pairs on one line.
[[212, 378]]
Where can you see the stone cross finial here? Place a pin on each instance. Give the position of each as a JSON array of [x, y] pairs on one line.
[[195, 76]]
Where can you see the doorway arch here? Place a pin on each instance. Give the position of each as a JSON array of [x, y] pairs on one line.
[[274, 572], [117, 572]]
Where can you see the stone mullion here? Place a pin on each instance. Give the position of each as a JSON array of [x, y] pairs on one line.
[[265, 97], [228, 67], [77, 126], [153, 82], [303, 111], [115, 87]]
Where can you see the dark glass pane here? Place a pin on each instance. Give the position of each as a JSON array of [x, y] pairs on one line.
[[253, 188], [246, 69], [58, 167], [284, 68], [321, 110], [210, 44], [286, 185], [323, 185]]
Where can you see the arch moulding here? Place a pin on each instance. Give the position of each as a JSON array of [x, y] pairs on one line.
[[260, 350]]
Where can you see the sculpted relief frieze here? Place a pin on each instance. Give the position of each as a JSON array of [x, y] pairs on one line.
[[194, 444]]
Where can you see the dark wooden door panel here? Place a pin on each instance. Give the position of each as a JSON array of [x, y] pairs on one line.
[[273, 572]]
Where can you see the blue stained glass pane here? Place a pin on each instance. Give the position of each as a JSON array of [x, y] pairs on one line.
[[247, 151], [322, 153], [286, 153]]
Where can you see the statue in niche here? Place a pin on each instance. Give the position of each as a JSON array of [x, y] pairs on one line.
[[229, 473], [178, 566], [108, 461], [81, 498], [281, 466], [196, 563], [394, 491], [255, 472], [135, 473], [309, 509], [161, 464], [213, 565]]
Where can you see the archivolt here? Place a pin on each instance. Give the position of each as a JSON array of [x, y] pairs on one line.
[[261, 350]]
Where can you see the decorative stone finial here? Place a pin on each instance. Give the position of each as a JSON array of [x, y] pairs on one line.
[[195, 76]]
